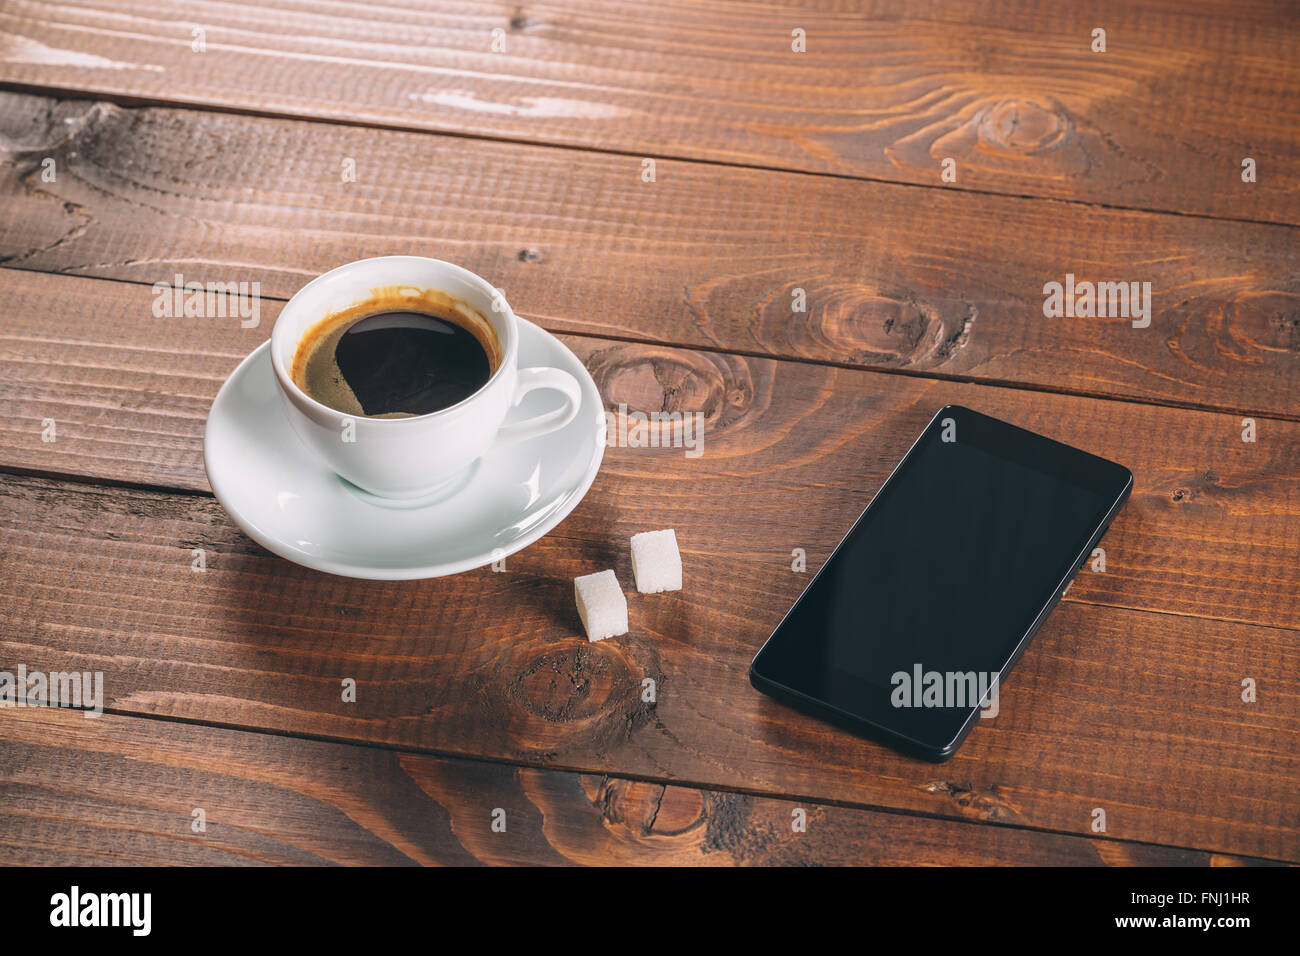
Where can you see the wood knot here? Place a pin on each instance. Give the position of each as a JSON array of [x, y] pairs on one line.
[[568, 685], [1275, 311], [1023, 126], [1252, 332], [865, 325], [974, 801], [665, 385], [576, 695], [635, 809]]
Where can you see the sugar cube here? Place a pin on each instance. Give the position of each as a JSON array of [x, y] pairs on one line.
[[601, 605], [656, 562]]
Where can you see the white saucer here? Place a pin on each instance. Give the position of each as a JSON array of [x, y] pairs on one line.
[[292, 505]]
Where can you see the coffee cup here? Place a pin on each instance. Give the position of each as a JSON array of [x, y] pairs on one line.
[[409, 457]]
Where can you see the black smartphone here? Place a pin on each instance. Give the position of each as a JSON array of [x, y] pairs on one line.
[[907, 632]]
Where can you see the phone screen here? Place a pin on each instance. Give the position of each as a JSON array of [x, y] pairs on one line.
[[946, 572]]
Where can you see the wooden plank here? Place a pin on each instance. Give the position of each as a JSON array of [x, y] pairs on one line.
[[1212, 528], [1138, 714], [890, 277], [886, 89], [123, 791]]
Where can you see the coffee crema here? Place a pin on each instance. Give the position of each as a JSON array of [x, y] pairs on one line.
[[401, 352]]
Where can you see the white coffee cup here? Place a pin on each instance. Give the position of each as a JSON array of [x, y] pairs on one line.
[[405, 458]]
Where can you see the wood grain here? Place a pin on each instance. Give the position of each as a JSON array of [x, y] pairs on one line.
[[1137, 713], [1212, 529], [123, 791], [886, 90], [889, 277]]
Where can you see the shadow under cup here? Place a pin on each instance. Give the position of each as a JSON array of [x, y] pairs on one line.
[[411, 457]]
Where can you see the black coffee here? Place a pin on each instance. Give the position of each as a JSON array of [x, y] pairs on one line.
[[392, 364], [412, 363]]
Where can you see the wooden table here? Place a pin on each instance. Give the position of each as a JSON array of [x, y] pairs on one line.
[[139, 141]]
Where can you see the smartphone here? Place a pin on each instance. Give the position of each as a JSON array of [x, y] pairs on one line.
[[910, 628]]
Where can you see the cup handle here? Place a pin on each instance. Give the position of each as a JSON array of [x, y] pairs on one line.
[[534, 378]]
